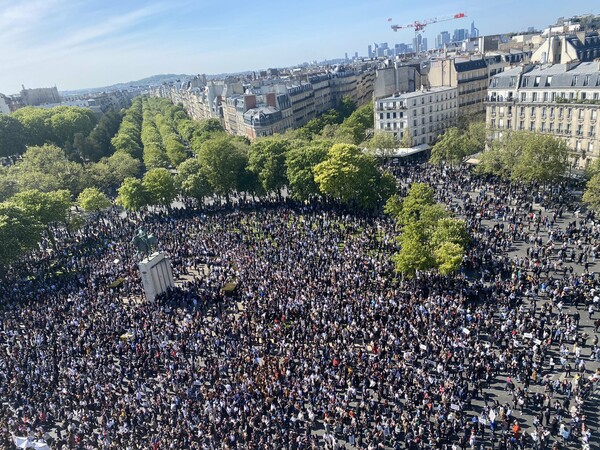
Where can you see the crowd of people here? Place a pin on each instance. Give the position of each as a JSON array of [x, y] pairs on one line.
[[322, 344]]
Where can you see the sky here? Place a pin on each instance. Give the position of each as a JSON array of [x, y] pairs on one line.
[[75, 44]]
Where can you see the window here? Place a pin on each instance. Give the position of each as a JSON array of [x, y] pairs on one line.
[[536, 82], [545, 96], [523, 96], [581, 113], [553, 97], [544, 112], [533, 111], [592, 131], [543, 129], [549, 80], [586, 80], [521, 125], [393, 115], [551, 127], [532, 126], [569, 112], [594, 113], [513, 81], [525, 81], [501, 123], [574, 80], [381, 115], [534, 97], [387, 115], [560, 113], [552, 113], [580, 130], [493, 123]]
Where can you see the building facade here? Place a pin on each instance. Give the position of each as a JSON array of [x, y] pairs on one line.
[[468, 75], [261, 107], [424, 114], [562, 100]]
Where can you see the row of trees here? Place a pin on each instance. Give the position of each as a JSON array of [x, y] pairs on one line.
[[37, 126], [455, 144], [526, 157], [429, 237]]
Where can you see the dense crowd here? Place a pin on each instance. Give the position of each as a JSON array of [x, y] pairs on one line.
[[322, 345]]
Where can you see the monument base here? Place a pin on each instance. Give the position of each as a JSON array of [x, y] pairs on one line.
[[157, 275]]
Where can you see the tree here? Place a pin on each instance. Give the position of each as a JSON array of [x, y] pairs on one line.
[[591, 196], [543, 159], [12, 136], [528, 157], [92, 200], [476, 138], [266, 159], [449, 148], [19, 232], [191, 181], [450, 230], [47, 168], [223, 162], [358, 123], [382, 144], [132, 194], [8, 183], [448, 257], [414, 252], [47, 208], [301, 161], [429, 239], [345, 107], [160, 186], [349, 176], [407, 140]]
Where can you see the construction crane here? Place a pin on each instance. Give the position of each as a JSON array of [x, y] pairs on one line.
[[419, 25]]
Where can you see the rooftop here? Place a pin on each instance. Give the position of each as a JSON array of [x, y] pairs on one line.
[[408, 95]]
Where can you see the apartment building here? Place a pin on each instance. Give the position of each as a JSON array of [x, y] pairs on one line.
[[261, 107], [424, 114], [469, 75], [561, 99]]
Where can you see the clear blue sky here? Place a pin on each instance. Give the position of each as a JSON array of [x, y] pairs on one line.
[[86, 43]]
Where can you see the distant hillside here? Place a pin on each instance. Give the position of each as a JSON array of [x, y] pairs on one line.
[[149, 81]]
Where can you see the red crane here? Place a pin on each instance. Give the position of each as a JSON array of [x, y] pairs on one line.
[[419, 25]]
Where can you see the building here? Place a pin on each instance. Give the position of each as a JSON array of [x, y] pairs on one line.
[[468, 74], [424, 114], [562, 100], [39, 96], [4, 102], [569, 48], [255, 107], [442, 40]]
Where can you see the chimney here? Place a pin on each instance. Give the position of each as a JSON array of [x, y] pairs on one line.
[[271, 100], [250, 101]]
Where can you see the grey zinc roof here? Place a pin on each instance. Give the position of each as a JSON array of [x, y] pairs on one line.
[[502, 80], [465, 66], [563, 78]]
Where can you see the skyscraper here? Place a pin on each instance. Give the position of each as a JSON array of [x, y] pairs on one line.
[[442, 39], [370, 51], [474, 31]]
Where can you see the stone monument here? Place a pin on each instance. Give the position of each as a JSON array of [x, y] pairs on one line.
[[155, 267]]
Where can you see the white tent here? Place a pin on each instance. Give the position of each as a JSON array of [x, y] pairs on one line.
[[29, 442]]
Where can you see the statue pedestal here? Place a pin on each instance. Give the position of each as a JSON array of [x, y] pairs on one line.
[[156, 274]]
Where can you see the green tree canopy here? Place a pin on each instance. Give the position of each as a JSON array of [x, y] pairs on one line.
[[266, 159], [47, 168], [160, 186], [19, 232], [133, 194], [92, 200], [191, 181], [349, 176], [382, 144], [591, 196], [12, 136], [223, 162], [46, 207], [450, 147], [301, 161]]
